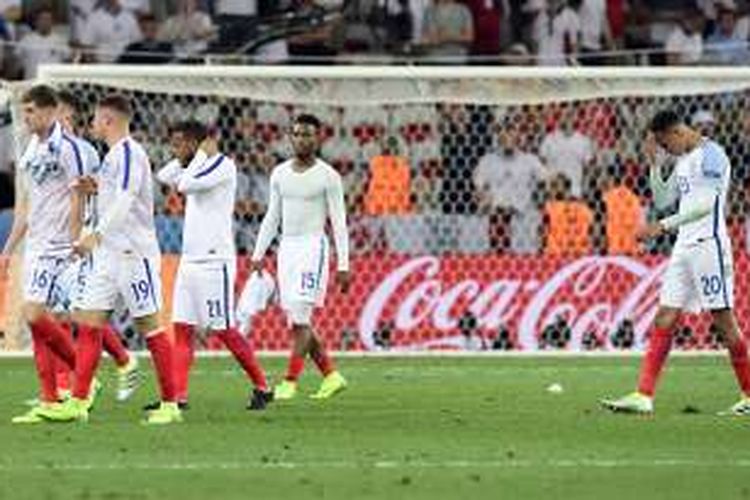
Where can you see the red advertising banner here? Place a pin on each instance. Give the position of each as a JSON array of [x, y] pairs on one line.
[[425, 300]]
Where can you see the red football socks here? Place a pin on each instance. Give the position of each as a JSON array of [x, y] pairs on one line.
[[58, 340], [740, 364], [184, 354], [295, 367], [323, 361], [163, 359], [114, 347], [659, 344], [245, 356], [62, 372], [45, 368], [88, 353]]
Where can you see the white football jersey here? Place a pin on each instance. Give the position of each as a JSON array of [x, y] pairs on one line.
[[209, 185], [48, 167], [91, 162], [126, 168], [302, 201], [703, 175]]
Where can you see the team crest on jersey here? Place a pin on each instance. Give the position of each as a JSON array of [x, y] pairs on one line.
[[45, 166]]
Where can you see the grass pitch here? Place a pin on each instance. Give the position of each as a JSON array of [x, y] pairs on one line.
[[406, 428]]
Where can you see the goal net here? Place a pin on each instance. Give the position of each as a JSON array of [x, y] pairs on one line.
[[488, 208]]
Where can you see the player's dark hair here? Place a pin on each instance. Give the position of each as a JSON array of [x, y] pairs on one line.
[[191, 128], [664, 120], [42, 96], [307, 119], [118, 103], [68, 98]]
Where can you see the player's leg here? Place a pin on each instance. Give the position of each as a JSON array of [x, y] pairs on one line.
[[216, 295], [676, 293], [184, 356], [40, 275], [184, 322], [128, 372], [140, 285], [45, 369], [62, 370], [333, 381], [299, 315], [48, 337], [725, 322]]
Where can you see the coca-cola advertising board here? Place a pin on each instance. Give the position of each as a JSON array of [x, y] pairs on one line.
[[422, 300]]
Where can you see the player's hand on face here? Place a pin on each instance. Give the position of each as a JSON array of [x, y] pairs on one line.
[[210, 145], [85, 244], [344, 279], [650, 147], [648, 231]]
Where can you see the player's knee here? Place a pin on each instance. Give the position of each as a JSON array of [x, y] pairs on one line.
[[94, 319], [32, 311], [146, 324], [666, 318]]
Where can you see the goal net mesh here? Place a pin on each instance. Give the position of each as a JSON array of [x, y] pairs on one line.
[[486, 210]]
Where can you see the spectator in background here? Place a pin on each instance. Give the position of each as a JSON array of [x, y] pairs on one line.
[[724, 45], [11, 12], [518, 55], [399, 26], [315, 43], [389, 185], [505, 181], [464, 138], [704, 122], [149, 49], [684, 44], [237, 22], [7, 157], [595, 32], [623, 213], [78, 15], [567, 151], [189, 29], [487, 20], [448, 31], [109, 29], [557, 33], [137, 7], [42, 45], [568, 221]]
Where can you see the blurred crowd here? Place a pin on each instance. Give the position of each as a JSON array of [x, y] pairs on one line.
[[561, 179], [519, 32]]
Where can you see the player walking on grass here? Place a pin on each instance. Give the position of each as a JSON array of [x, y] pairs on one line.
[[45, 215], [124, 264], [128, 375], [204, 288], [304, 192], [700, 273]]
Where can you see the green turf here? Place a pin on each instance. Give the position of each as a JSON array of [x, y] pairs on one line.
[[406, 428]]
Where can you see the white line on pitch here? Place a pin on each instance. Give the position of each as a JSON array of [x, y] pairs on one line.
[[386, 464]]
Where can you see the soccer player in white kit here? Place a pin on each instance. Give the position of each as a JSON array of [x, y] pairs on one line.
[[44, 215], [128, 375], [305, 192], [699, 274], [125, 264], [204, 288]]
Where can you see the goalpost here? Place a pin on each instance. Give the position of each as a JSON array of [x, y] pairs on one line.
[[448, 254]]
